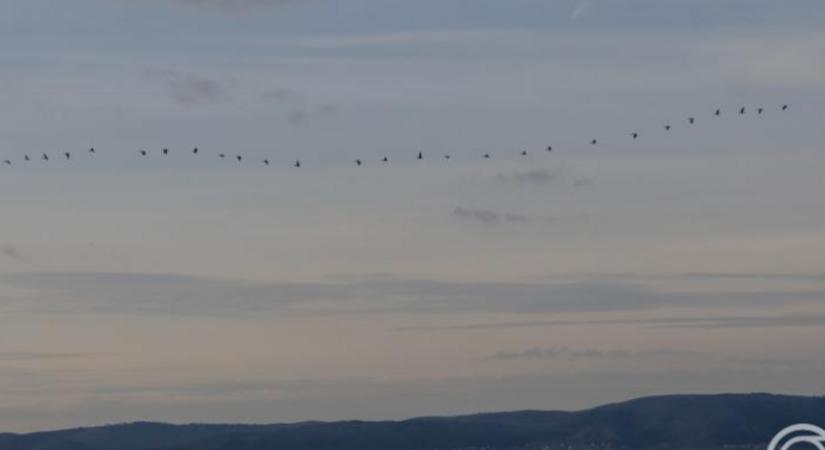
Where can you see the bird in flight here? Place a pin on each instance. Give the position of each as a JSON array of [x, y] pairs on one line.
[[298, 163], [239, 158], [7, 162], [420, 155], [26, 158], [266, 162], [784, 107], [221, 155], [92, 150], [691, 120], [760, 110], [718, 112], [486, 156], [358, 162], [594, 142], [635, 135], [195, 151], [143, 153], [549, 148], [667, 127], [386, 160], [45, 157], [447, 157], [742, 111], [67, 155]]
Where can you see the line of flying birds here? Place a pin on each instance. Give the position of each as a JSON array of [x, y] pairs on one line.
[[358, 162]]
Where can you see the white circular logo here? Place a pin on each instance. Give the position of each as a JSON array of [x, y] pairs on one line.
[[801, 433]]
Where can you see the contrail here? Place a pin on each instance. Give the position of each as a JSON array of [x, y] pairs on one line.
[[580, 10]]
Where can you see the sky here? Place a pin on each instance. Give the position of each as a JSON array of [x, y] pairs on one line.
[[193, 289]]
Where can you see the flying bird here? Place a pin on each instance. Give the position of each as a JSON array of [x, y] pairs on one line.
[[358, 162], [784, 107], [635, 135], [166, 151], [524, 153], [691, 120], [92, 150], [386, 160], [667, 127], [718, 112], [67, 155], [143, 153], [7, 162], [266, 162], [298, 163], [486, 156], [26, 158], [549, 148], [742, 110], [594, 142], [420, 155], [221, 155], [447, 157], [195, 151], [45, 157], [239, 158], [760, 110]]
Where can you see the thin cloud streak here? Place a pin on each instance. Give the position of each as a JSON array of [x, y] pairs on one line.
[[806, 320], [112, 293]]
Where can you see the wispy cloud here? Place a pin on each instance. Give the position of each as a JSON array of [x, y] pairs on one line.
[[800, 320], [34, 356], [181, 295], [567, 353], [234, 5], [539, 177], [188, 89], [486, 216], [13, 253]]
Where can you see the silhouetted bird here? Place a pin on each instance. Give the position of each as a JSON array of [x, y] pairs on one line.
[[667, 127], [594, 142], [67, 155], [760, 110], [486, 156], [742, 110], [447, 157], [718, 112], [7, 162], [420, 155], [784, 107], [386, 160], [92, 150], [524, 153], [298, 164], [166, 151], [45, 157], [358, 162], [550, 148], [691, 120], [239, 158], [221, 155], [143, 153], [195, 151], [635, 135], [266, 162], [26, 158]]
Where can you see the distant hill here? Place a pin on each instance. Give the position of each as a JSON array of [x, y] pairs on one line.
[[666, 422]]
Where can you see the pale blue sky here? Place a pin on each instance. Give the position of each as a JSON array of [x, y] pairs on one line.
[[193, 289]]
